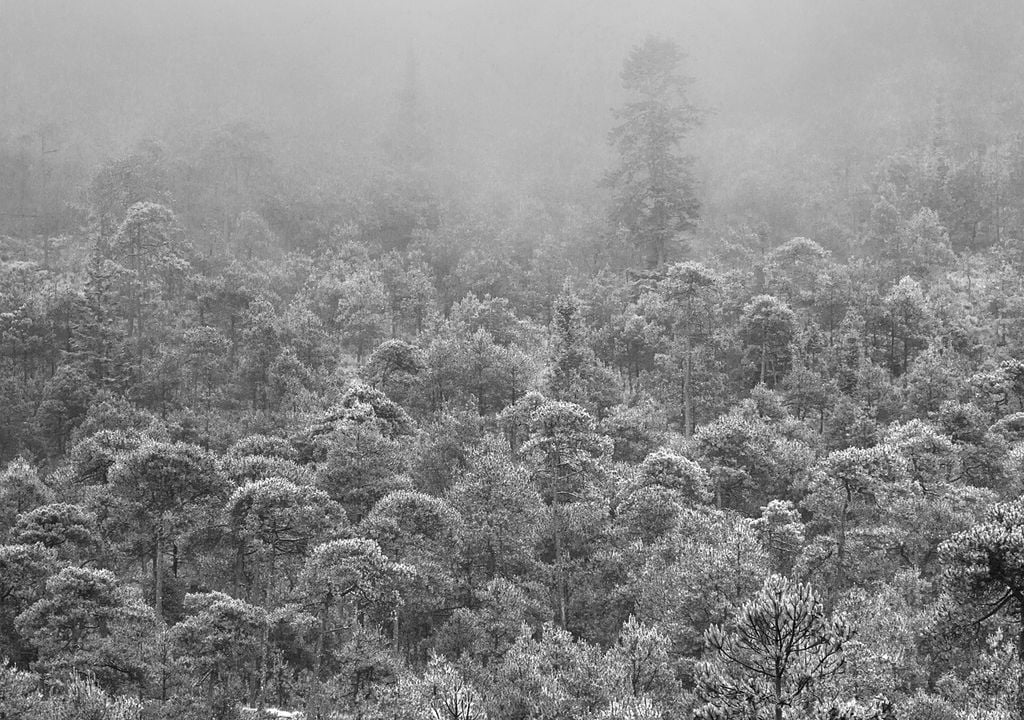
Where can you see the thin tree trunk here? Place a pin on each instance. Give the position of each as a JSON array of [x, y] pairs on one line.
[[158, 571], [778, 691], [260, 684], [840, 576], [559, 566], [764, 359], [688, 389], [313, 699], [163, 667]]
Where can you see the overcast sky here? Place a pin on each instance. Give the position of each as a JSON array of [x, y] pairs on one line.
[[500, 79]]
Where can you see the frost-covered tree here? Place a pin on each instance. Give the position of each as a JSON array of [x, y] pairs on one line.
[[775, 658], [985, 570]]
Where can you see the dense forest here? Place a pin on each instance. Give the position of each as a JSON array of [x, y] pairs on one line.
[[719, 415]]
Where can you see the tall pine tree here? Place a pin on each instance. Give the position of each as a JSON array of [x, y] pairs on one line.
[[655, 200]]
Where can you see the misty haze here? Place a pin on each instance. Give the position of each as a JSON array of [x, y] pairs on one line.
[[512, 360]]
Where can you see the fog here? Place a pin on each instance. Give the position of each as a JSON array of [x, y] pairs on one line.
[[510, 91]]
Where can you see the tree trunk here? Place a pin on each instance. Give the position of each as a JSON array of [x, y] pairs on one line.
[[764, 349], [778, 692], [559, 566], [319, 652], [892, 342], [395, 627], [163, 666], [764, 361], [158, 571], [261, 695], [313, 698], [840, 576], [688, 389]]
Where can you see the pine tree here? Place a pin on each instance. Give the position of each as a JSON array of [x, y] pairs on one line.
[[161, 489], [568, 454], [692, 291], [575, 374], [655, 199], [782, 648], [98, 342], [766, 330], [985, 569]]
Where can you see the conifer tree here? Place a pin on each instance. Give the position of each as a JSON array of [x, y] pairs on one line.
[[985, 569], [782, 648], [575, 374], [691, 291], [655, 199], [567, 452]]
